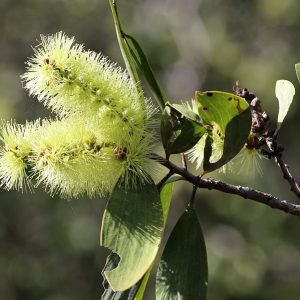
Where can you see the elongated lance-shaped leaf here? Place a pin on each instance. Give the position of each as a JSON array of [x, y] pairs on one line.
[[132, 227], [143, 64], [142, 288], [133, 54], [285, 92], [129, 62], [231, 115], [165, 197], [182, 272], [137, 291]]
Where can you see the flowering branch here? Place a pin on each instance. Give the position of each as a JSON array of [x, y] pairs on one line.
[[245, 192]]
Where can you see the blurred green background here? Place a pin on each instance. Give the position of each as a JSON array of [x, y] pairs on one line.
[[49, 248]]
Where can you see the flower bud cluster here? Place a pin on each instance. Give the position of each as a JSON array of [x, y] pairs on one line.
[[102, 132]]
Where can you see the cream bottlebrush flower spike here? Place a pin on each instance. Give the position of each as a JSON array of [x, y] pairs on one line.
[[69, 157], [104, 130], [69, 80], [14, 154]]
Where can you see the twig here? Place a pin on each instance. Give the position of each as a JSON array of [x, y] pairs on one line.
[[288, 176], [245, 192], [277, 152]]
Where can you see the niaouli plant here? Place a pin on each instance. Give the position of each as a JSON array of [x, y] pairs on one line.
[[101, 143]]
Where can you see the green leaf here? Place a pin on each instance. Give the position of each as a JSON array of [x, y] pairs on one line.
[[133, 55], [178, 132], [174, 178], [165, 197], [285, 92], [143, 64], [132, 227], [232, 115], [182, 272], [187, 113], [129, 294], [144, 282], [129, 62]]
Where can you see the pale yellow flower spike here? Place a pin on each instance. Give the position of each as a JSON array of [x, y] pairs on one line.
[[103, 132], [68, 79]]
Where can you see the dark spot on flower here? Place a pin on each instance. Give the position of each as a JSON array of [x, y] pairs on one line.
[[205, 108], [42, 153], [98, 148], [120, 153], [209, 94]]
